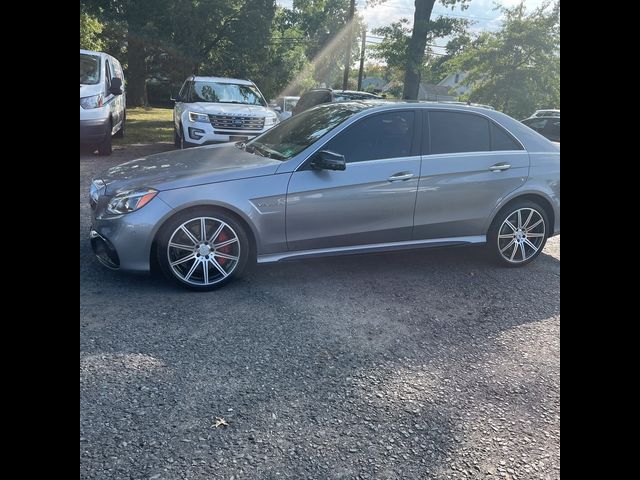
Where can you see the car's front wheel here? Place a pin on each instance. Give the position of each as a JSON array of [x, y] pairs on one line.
[[203, 249], [518, 234]]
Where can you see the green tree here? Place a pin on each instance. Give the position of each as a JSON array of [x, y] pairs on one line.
[[90, 30], [516, 69], [418, 43], [393, 50]]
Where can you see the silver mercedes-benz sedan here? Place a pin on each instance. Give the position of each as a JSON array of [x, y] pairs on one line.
[[337, 179]]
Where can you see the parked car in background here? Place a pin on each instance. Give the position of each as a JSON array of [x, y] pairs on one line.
[[212, 110], [546, 113], [341, 178], [283, 106], [546, 126], [102, 101], [318, 96]]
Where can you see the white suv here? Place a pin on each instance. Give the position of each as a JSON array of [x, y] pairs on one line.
[[215, 110]]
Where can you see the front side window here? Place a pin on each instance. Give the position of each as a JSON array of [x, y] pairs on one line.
[[107, 75], [89, 69], [453, 132], [215, 92], [386, 135], [300, 131]]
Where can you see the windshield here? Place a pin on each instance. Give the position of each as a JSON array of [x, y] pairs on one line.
[[215, 92], [298, 132], [89, 69]]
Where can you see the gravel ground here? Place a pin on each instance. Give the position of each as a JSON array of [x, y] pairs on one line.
[[430, 364]]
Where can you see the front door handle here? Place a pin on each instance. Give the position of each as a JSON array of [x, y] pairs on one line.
[[500, 166], [400, 176]]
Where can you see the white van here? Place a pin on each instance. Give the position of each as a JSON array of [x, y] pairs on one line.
[[216, 110], [102, 100]]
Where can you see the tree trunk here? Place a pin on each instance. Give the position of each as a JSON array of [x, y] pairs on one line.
[[417, 45], [137, 71]]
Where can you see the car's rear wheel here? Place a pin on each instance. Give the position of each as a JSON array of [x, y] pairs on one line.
[[518, 233], [203, 249]]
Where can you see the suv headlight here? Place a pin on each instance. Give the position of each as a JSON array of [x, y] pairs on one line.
[[198, 117], [95, 101], [270, 121], [129, 201]]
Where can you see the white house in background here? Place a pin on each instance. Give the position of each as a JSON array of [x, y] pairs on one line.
[[453, 81], [427, 91]]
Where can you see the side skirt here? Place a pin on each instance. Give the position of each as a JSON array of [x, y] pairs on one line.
[[378, 247]]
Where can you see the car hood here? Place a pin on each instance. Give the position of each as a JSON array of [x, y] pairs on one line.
[[228, 109], [89, 90], [187, 168]]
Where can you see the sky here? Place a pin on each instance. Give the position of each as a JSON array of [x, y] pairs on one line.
[[482, 11]]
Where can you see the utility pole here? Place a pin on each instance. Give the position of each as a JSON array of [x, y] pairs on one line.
[[347, 52], [364, 38]]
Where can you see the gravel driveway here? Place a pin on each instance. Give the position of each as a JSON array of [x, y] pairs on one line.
[[431, 364]]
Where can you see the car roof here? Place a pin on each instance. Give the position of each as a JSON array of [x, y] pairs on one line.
[[542, 117], [91, 52], [237, 81]]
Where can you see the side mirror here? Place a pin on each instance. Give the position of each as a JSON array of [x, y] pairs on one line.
[[116, 86], [277, 108], [326, 160]]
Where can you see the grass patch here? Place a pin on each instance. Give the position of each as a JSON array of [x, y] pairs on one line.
[[147, 125]]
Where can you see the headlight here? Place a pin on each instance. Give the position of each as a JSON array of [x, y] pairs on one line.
[[125, 202], [270, 121], [97, 188], [198, 117], [94, 101]]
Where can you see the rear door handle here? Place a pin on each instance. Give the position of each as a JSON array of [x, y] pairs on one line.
[[400, 176], [500, 166]]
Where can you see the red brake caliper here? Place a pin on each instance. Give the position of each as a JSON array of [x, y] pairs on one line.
[[221, 238]]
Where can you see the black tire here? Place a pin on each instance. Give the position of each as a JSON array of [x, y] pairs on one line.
[[105, 148], [177, 142], [120, 133], [188, 269], [518, 247]]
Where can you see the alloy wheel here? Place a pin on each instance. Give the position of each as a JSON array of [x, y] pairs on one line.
[[521, 235], [203, 251]]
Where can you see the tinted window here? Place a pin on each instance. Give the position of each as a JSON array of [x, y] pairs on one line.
[[553, 130], [537, 124], [387, 135], [291, 137], [453, 132], [501, 140]]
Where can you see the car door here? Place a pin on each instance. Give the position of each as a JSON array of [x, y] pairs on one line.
[[109, 98], [469, 164], [372, 200]]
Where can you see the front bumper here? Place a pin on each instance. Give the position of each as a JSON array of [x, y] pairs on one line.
[[93, 131], [124, 242], [200, 133]]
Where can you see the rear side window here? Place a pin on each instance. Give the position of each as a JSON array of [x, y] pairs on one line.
[[386, 135], [453, 132], [501, 140]]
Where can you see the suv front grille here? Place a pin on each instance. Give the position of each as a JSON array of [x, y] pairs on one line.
[[233, 122]]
